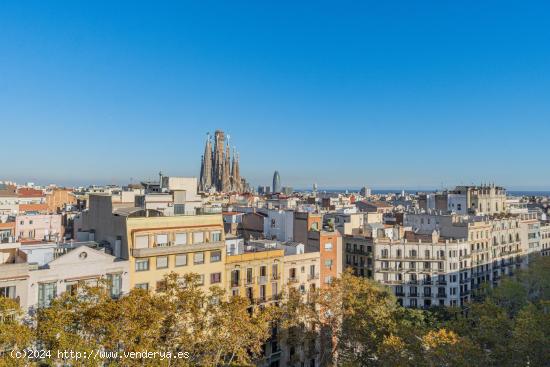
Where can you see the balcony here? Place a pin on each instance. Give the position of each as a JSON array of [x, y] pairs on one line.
[[412, 295], [313, 276], [399, 294], [441, 295], [441, 282], [275, 277], [176, 249], [262, 279], [293, 280]]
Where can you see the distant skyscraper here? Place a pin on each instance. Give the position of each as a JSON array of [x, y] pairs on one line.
[[264, 190], [276, 183], [365, 191], [218, 171]]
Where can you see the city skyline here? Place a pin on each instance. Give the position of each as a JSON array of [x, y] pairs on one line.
[[361, 94]]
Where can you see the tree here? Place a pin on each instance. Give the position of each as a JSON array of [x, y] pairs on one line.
[[531, 336], [15, 335]]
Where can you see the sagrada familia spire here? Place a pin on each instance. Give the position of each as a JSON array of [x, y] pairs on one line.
[[220, 171]]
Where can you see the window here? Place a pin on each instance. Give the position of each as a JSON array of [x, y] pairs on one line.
[[181, 239], [115, 285], [181, 259], [249, 276], [215, 256], [216, 236], [72, 289], [142, 265], [328, 263], [215, 278], [274, 271], [328, 279], [46, 293], [328, 246], [200, 280], [198, 258], [161, 240], [162, 262], [8, 292], [198, 237], [292, 273], [235, 278], [141, 242], [144, 286]]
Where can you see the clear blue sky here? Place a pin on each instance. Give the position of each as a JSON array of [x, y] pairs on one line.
[[384, 93]]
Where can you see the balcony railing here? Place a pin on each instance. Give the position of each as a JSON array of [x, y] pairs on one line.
[[262, 279], [313, 276], [293, 280]]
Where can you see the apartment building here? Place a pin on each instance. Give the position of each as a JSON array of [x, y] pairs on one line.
[[349, 223], [14, 273], [7, 232], [302, 266], [157, 245], [278, 224], [359, 254], [545, 239], [329, 245], [58, 199], [256, 273], [425, 273], [38, 227], [305, 222], [64, 267], [531, 233], [171, 196]]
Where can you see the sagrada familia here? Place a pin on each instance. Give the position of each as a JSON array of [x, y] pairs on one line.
[[220, 173]]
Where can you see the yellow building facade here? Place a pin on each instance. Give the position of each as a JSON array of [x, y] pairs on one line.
[[255, 275], [158, 246]]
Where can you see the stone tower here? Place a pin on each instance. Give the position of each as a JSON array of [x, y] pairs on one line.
[[220, 171]]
